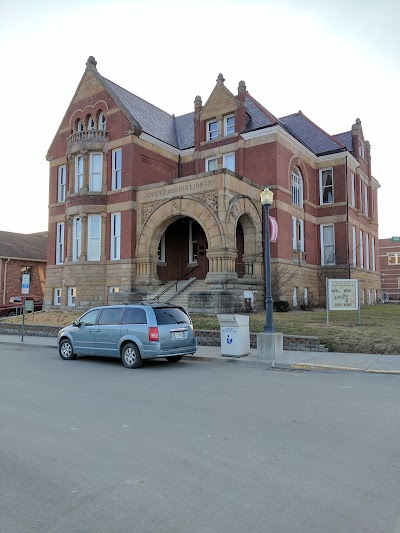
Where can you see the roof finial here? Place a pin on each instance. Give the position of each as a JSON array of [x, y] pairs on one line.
[[242, 87], [91, 62], [220, 79]]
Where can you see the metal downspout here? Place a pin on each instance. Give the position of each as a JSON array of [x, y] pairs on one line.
[[5, 280]]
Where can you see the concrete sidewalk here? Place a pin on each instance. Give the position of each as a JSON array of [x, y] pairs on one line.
[[379, 364]]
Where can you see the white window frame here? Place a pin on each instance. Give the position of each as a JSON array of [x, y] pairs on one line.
[[94, 238], [161, 249], [322, 188], [352, 189], [102, 122], [297, 187], [297, 234], [323, 245], [62, 183], [395, 256], [60, 233], [354, 243], [367, 251], [79, 164], [373, 254], [95, 177], [57, 296], [115, 245], [76, 238], [116, 178], [79, 126], [212, 132], [91, 124], [113, 290], [361, 249], [71, 296], [226, 157], [208, 162], [294, 297], [305, 295], [229, 127]]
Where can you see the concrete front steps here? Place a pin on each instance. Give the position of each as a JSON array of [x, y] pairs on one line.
[[178, 294]]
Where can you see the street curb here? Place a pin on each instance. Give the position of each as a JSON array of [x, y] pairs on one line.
[[307, 366], [32, 345]]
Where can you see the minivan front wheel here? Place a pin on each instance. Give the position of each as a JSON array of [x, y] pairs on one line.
[[66, 351], [131, 356]]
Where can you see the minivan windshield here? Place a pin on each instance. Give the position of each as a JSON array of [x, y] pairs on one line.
[[171, 315]]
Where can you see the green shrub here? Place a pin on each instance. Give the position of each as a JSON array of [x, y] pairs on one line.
[[281, 306]]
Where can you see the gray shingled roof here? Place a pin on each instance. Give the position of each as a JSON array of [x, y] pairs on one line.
[[185, 130], [309, 134], [23, 246], [257, 119], [345, 138]]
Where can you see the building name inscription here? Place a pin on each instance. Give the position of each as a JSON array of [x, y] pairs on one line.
[[173, 190]]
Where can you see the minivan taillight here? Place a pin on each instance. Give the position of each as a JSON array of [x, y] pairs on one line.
[[153, 334]]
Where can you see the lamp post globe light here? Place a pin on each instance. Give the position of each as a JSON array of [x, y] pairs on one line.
[[267, 197]]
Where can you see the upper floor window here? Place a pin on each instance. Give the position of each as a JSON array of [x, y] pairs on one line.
[[297, 188], [79, 126], [373, 259], [212, 130], [91, 124], [327, 244], [62, 183], [115, 236], [211, 164], [96, 171], [116, 180], [102, 122], [352, 189], [367, 251], [229, 125], [76, 238], [361, 249], [78, 173], [366, 207], [229, 161], [354, 239], [94, 237], [326, 186], [60, 243]]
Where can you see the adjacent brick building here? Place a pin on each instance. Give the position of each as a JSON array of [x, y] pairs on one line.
[[22, 253], [389, 266], [138, 196]]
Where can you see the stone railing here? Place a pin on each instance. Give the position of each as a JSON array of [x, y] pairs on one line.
[[85, 139]]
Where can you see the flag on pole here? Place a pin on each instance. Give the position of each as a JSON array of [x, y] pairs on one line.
[[273, 229]]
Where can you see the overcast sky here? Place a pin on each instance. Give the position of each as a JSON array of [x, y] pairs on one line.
[[335, 60]]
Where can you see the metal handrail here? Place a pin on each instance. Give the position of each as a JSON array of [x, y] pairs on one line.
[[174, 283]]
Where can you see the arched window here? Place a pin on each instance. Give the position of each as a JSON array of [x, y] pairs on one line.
[[102, 122], [297, 188], [91, 124], [79, 126]]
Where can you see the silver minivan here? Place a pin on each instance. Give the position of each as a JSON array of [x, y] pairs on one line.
[[130, 332]]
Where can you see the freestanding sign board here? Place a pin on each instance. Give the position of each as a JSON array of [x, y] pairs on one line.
[[342, 295]]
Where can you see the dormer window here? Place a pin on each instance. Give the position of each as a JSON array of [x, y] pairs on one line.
[[102, 122], [212, 130], [91, 124], [229, 125]]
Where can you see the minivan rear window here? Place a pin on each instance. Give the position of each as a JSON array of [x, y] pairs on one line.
[[134, 315], [171, 315]]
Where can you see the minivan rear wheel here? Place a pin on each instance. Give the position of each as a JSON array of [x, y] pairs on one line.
[[174, 358], [131, 356]]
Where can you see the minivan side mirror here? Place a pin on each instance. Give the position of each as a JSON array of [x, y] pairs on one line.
[[76, 323]]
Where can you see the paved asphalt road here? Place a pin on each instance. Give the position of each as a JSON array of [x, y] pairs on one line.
[[90, 446]]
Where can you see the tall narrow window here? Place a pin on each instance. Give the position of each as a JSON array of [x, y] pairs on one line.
[[192, 242], [96, 168], [78, 173], [361, 249], [62, 183], [327, 244], [354, 242], [57, 296], [102, 122], [367, 251], [295, 303], [211, 164], [373, 254], [326, 186], [79, 126], [298, 234], [91, 124], [115, 236], [60, 243], [297, 188], [94, 237], [229, 161], [229, 125], [76, 238], [294, 233], [212, 130], [71, 296], [116, 169], [352, 189]]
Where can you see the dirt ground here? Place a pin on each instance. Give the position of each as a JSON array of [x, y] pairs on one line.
[[46, 318]]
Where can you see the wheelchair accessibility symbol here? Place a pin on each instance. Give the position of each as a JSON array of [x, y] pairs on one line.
[[229, 339]]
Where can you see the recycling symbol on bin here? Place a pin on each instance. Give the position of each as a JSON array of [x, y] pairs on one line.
[[229, 339]]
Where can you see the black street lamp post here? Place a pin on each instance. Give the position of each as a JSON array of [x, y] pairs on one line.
[[267, 198]]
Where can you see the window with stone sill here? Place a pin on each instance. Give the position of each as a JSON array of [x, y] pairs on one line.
[[211, 164], [91, 124], [229, 125], [326, 186], [212, 130], [57, 296], [102, 122]]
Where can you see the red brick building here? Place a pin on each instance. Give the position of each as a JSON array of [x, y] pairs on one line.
[[138, 197], [389, 266], [22, 253]]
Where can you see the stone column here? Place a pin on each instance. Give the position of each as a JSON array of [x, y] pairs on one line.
[[221, 264], [86, 164], [71, 174], [104, 174], [103, 237], [68, 221], [146, 271]]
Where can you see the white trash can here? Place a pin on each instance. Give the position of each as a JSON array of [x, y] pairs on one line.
[[235, 335]]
